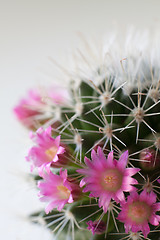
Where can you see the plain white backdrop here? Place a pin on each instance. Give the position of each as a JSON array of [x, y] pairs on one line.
[[30, 31]]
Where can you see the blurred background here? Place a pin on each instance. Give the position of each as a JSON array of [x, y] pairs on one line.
[[30, 32]]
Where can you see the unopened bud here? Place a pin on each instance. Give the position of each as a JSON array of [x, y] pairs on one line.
[[149, 159]]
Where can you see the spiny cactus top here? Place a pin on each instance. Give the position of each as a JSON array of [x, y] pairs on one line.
[[97, 143]]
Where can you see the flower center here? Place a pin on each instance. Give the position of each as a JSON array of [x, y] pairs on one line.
[[139, 212], [51, 152], [64, 192], [112, 180]]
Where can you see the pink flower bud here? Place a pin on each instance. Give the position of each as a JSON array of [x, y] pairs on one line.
[[96, 227], [149, 160]]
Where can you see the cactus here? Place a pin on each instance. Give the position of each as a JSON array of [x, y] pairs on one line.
[[97, 145]]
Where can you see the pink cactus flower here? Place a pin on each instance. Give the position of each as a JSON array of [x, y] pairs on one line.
[[96, 227], [34, 108], [47, 151], [158, 180], [57, 190], [28, 108], [138, 211], [108, 178]]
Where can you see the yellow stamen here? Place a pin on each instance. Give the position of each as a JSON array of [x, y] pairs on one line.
[[63, 191], [51, 152]]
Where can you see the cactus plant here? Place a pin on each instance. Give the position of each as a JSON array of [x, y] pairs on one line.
[[97, 145]]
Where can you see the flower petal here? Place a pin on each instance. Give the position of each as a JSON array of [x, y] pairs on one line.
[[123, 160]]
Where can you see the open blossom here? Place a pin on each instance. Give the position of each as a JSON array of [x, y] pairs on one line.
[[138, 211], [28, 108], [57, 190], [108, 178], [35, 108], [47, 150], [96, 227]]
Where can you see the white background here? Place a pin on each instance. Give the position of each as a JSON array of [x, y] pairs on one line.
[[30, 31]]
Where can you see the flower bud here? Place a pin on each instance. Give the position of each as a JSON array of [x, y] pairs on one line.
[[149, 159], [96, 227]]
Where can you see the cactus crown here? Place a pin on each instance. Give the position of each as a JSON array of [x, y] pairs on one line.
[[111, 105]]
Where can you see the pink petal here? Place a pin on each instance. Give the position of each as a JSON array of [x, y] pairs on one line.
[[150, 198], [57, 140], [88, 162], [61, 150], [145, 230], [120, 195], [153, 220], [110, 161], [128, 188], [94, 156], [61, 205], [101, 155], [50, 207], [123, 160], [104, 202], [70, 200], [82, 182], [131, 171], [156, 207], [48, 167], [55, 159], [40, 170], [49, 130], [129, 180], [63, 174], [83, 171]]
